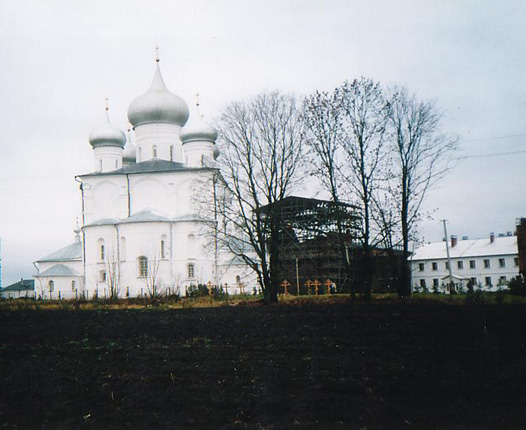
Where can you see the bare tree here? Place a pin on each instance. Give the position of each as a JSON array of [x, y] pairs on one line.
[[260, 164], [347, 131], [112, 276], [154, 284], [421, 157]]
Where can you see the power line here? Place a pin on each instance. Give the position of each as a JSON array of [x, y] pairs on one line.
[[509, 136], [493, 154]]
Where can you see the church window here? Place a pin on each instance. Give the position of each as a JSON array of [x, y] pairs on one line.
[[238, 279], [139, 154], [143, 266], [172, 153], [154, 151], [51, 286], [100, 165], [116, 164], [102, 253], [191, 270], [102, 276], [163, 252], [73, 285]]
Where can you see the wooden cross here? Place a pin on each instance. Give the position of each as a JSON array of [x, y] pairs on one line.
[[316, 284], [328, 284], [308, 284], [285, 284]]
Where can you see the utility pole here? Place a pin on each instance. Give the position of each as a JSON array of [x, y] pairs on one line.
[[451, 283]]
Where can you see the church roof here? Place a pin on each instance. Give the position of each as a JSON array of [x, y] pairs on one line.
[[150, 166], [58, 270], [146, 216], [68, 253]]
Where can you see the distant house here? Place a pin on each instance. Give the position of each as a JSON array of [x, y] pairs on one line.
[[485, 263], [22, 288]]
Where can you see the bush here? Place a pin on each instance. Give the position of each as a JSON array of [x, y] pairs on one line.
[[517, 286]]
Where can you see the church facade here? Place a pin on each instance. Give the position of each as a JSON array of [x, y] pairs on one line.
[[147, 210]]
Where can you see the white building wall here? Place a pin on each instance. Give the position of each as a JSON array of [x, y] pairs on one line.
[[162, 136], [107, 158], [425, 270]]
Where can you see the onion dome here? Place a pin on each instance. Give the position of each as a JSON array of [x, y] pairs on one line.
[[198, 130], [158, 105], [107, 135]]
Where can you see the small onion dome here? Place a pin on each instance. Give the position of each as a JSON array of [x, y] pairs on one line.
[[158, 105], [198, 130], [128, 155], [107, 135]]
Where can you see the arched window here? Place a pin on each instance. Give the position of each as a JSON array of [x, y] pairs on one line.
[[154, 151], [116, 164], [191, 270], [172, 153], [102, 276], [73, 285], [102, 252], [51, 286], [238, 279], [139, 156], [100, 165], [163, 251], [143, 266]]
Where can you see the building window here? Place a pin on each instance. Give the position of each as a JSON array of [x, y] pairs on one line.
[[434, 266], [487, 280], [238, 279], [172, 153], [472, 264], [502, 262], [435, 282], [102, 253], [487, 264], [100, 165], [143, 266], [502, 280], [516, 261], [139, 156], [73, 285], [447, 265], [423, 283], [154, 151], [191, 270], [162, 250], [102, 276], [51, 286], [421, 267], [460, 264], [116, 164], [473, 281]]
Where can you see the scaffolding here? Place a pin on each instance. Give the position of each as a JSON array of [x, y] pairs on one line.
[[316, 238]]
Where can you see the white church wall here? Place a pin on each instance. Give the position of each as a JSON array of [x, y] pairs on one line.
[[105, 197], [162, 136], [107, 158]]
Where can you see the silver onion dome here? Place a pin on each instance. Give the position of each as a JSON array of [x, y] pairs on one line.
[[107, 135], [158, 105], [198, 130]]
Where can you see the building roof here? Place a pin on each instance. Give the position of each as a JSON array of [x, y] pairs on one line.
[[69, 253], [58, 270], [150, 166], [146, 216], [468, 248], [22, 285]]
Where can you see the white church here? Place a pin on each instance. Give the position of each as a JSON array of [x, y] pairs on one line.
[[144, 228]]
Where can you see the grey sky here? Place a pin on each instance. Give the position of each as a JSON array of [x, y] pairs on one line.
[[60, 59]]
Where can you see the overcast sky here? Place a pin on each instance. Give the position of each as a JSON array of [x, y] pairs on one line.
[[60, 59]]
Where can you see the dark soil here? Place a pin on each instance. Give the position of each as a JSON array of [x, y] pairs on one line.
[[393, 365]]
